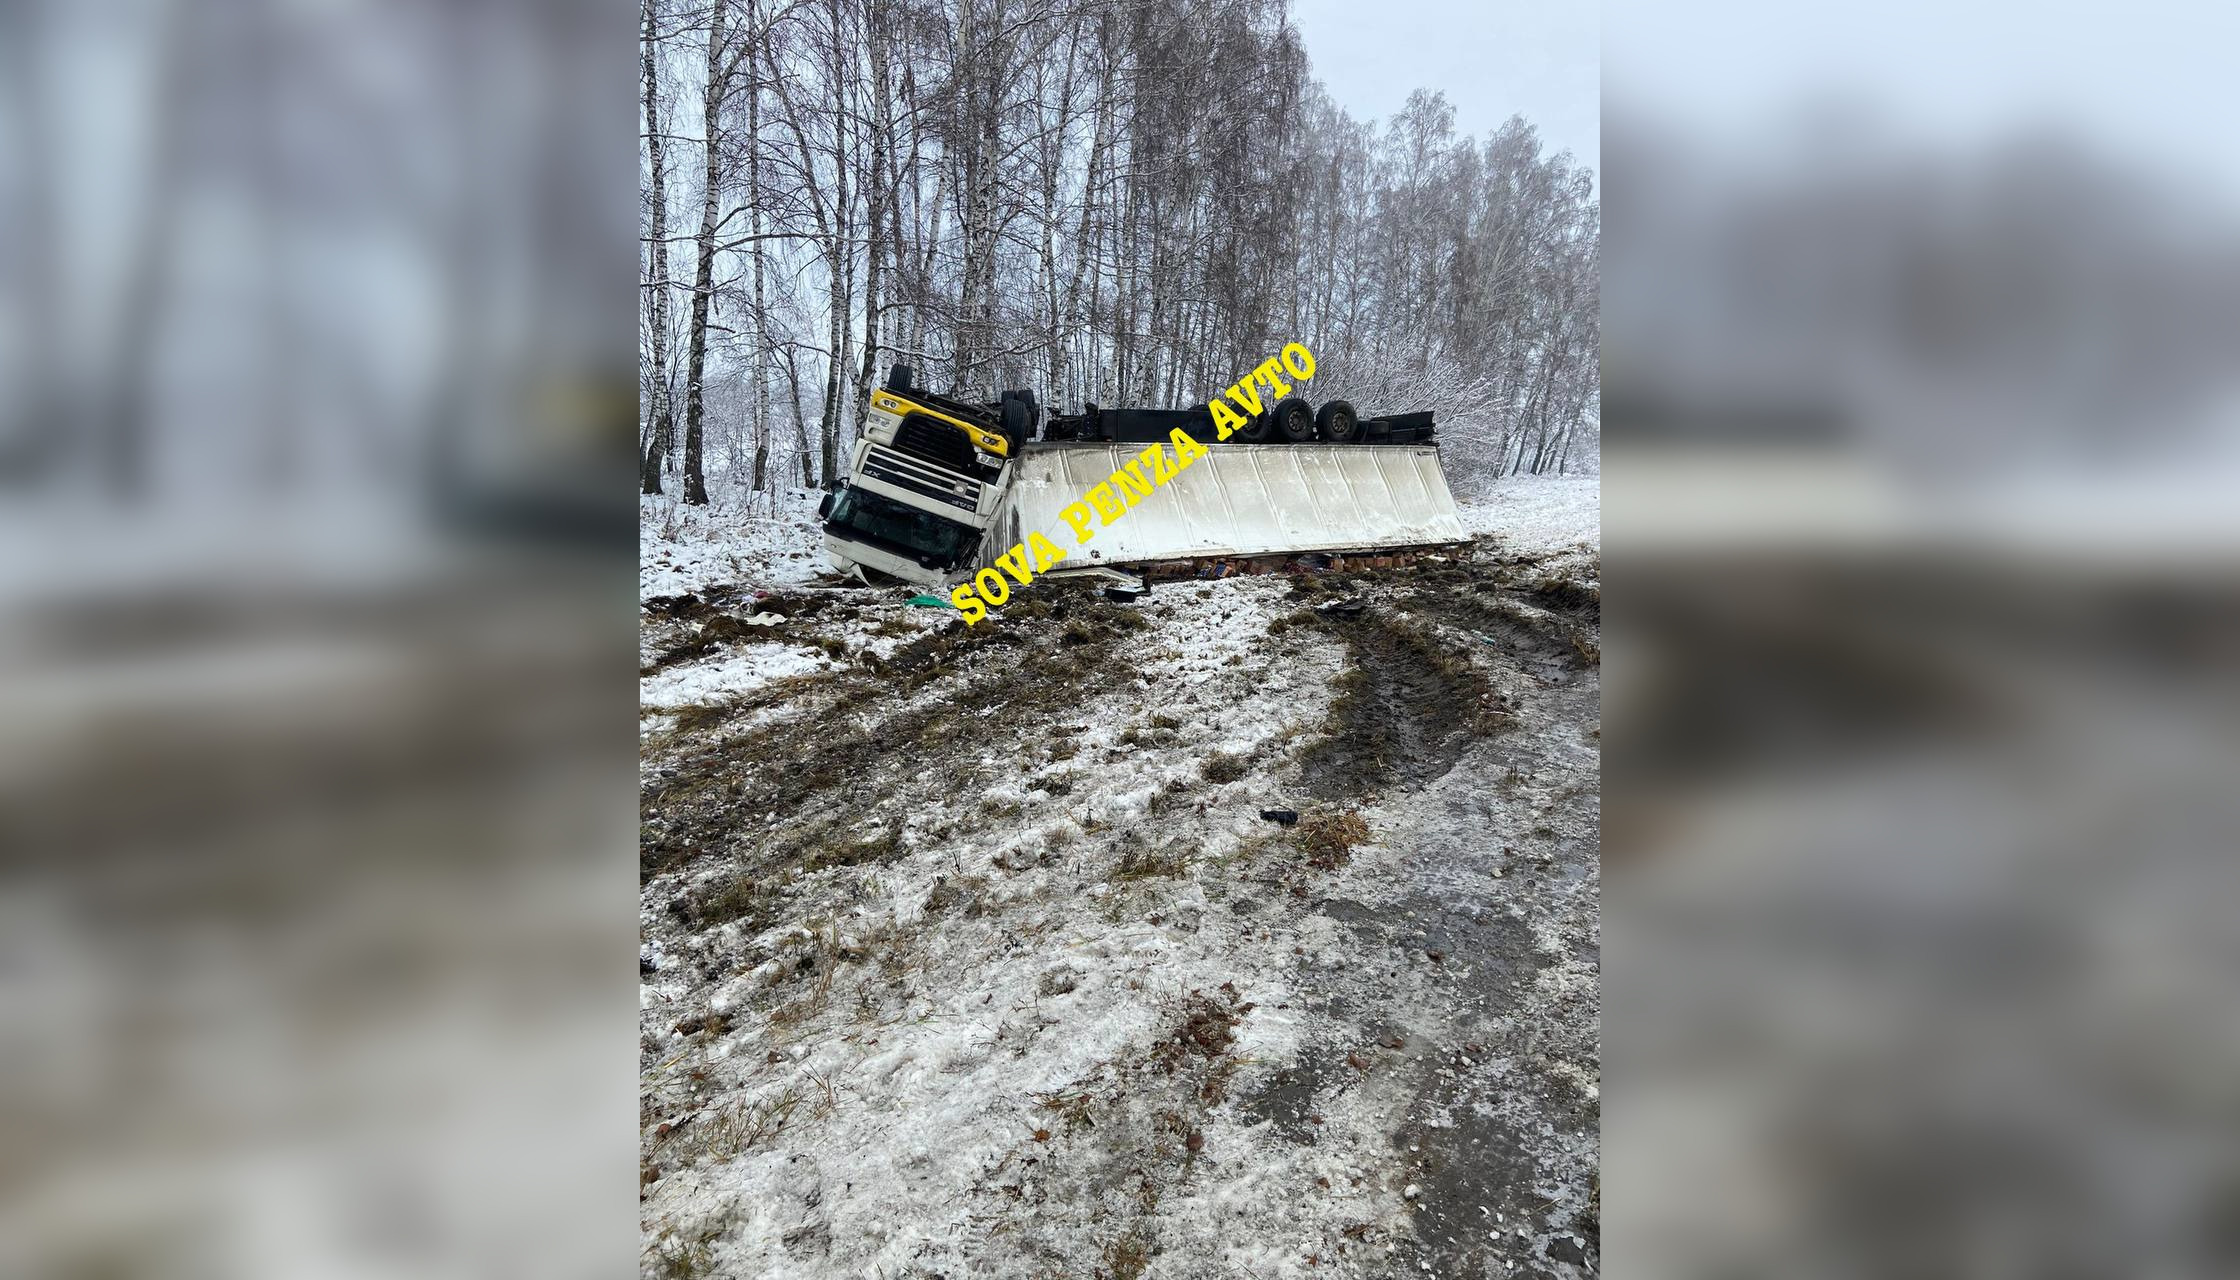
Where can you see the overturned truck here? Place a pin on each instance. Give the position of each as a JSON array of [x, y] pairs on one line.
[[938, 487]]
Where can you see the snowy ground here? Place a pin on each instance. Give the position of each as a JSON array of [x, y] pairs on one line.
[[770, 540], [1537, 514], [967, 951]]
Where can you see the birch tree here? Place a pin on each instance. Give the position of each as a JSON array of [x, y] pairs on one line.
[[712, 93], [660, 442]]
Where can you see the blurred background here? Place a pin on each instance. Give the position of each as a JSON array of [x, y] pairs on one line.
[[317, 401], [1922, 516]]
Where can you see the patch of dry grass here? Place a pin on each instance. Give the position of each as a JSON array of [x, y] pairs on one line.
[[1224, 766], [730, 1131], [1327, 837], [671, 1256], [742, 896], [1204, 1028], [701, 716], [1140, 863], [1077, 1111], [1125, 1258], [854, 851]]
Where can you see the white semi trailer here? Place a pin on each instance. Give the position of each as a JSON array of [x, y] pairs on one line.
[[938, 488]]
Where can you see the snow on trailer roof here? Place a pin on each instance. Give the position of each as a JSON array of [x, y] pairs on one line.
[[1240, 499]]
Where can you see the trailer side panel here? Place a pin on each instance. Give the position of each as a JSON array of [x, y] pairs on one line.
[[1242, 500]]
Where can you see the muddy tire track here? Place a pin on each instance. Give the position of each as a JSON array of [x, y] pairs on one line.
[[1404, 713], [865, 748], [1467, 691], [680, 629]]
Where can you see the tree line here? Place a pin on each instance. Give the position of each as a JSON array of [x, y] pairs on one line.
[[1118, 201]]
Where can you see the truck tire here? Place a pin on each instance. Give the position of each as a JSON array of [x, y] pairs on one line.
[[1258, 429], [1018, 421], [1294, 420], [1338, 423]]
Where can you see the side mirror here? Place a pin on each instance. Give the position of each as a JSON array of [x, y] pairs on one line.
[[824, 506]]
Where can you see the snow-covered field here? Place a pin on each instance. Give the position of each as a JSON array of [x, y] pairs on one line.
[[768, 539], [1537, 514], [968, 951]]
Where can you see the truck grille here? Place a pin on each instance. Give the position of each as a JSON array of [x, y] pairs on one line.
[[890, 467], [946, 446]]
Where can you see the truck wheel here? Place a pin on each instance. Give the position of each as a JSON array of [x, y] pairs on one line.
[[1338, 423], [1258, 429], [1294, 420], [1018, 420]]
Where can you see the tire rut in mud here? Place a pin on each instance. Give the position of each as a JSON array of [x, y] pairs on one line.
[[1546, 626], [694, 625], [1438, 662], [1397, 717], [881, 734], [1412, 701]]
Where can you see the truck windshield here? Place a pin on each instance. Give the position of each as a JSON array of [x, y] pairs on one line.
[[886, 523]]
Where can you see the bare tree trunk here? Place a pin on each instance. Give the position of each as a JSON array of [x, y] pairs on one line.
[[761, 410], [965, 86], [976, 324], [1563, 440], [800, 422], [922, 260], [877, 145], [1063, 379], [1054, 148], [123, 425], [836, 358], [1536, 416], [1124, 299], [897, 247], [703, 271], [663, 441], [1099, 362], [841, 254]]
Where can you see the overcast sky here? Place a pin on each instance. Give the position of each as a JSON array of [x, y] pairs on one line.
[[1492, 58]]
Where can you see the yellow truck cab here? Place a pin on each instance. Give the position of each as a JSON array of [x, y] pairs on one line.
[[923, 483]]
